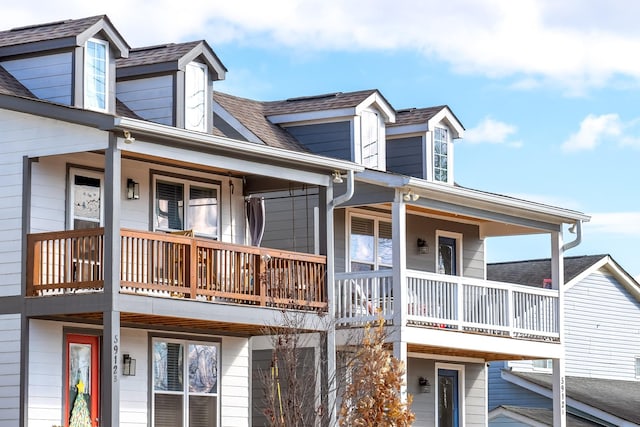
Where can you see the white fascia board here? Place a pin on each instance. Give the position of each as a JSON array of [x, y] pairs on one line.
[[116, 42], [211, 61], [311, 116], [445, 115], [606, 262], [408, 130], [233, 145], [235, 123], [473, 198], [376, 101]]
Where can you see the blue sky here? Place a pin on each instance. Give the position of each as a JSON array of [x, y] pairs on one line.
[[547, 90]]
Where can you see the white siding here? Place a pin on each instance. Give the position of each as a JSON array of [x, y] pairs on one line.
[[150, 98], [134, 397], [602, 329], [9, 370], [234, 403], [47, 77]]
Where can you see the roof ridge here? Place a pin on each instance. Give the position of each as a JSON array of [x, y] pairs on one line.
[[53, 23]]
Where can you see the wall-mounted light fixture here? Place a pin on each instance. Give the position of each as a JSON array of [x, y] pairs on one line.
[[423, 246], [424, 385], [337, 178], [410, 196], [128, 365], [128, 139], [133, 189]]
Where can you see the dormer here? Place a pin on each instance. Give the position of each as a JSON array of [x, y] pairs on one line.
[[171, 84], [348, 126], [69, 62], [420, 143]]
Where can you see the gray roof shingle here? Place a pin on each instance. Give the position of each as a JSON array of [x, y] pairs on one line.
[[329, 101], [48, 31], [414, 116], [252, 116], [171, 52], [9, 85], [545, 416], [533, 272]]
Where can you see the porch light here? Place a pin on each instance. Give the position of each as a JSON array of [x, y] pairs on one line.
[[337, 178], [410, 196], [425, 386], [128, 139], [128, 365], [423, 246], [133, 189]]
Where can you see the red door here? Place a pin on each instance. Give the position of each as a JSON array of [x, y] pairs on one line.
[[82, 381]]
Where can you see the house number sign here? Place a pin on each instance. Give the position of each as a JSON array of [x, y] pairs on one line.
[[115, 358]]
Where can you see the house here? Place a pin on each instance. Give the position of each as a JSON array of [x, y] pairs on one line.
[[137, 196], [410, 243], [602, 320]]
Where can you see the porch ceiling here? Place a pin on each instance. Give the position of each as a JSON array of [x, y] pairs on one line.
[[445, 351]]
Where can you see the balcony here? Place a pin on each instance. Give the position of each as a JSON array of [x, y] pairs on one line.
[[176, 266], [451, 303]]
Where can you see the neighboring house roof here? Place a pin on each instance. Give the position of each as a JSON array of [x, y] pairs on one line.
[[60, 34], [251, 115], [538, 415], [533, 272], [9, 85], [169, 57], [615, 397]]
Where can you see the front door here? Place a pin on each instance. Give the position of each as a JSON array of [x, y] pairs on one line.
[[448, 405], [82, 402]]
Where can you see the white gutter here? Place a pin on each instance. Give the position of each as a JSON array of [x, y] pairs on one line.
[[232, 145], [349, 193], [577, 240]]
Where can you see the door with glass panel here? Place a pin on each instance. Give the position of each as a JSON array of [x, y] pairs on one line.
[[448, 398], [185, 383], [82, 374]]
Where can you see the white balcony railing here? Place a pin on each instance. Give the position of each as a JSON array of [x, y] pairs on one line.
[[450, 302]]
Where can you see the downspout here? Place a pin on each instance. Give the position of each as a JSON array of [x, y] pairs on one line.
[[575, 228], [348, 195]]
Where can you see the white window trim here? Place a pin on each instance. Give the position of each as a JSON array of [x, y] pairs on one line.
[[637, 367], [361, 214], [106, 75], [459, 239], [206, 101], [461, 389], [541, 369], [185, 342], [187, 182], [71, 199], [432, 155]]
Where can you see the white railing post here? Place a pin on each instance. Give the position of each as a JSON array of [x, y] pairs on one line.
[[459, 315], [511, 321]]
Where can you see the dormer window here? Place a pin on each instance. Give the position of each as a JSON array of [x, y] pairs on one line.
[[371, 135], [95, 74], [195, 97], [441, 159]]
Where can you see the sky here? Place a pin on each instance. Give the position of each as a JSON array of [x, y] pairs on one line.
[[547, 90]]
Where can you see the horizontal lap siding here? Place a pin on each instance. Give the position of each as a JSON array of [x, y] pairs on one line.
[[48, 77], [9, 369], [406, 156], [602, 329], [290, 220], [150, 98], [502, 392], [327, 139], [234, 386]]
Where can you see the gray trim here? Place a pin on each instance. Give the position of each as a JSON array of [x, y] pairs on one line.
[[126, 73], [26, 219], [12, 304], [110, 370], [67, 304], [24, 370], [66, 43], [178, 97]]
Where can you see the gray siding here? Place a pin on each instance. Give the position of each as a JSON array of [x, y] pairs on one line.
[[290, 220], [504, 421], [340, 245], [328, 139], [602, 329], [150, 98], [405, 156], [502, 392], [48, 77], [226, 129]]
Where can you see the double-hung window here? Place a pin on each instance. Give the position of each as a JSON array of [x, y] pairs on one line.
[[441, 154], [185, 383], [96, 65], [370, 243], [181, 204]]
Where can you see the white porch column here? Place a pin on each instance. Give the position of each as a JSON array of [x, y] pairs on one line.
[[399, 249], [327, 246], [557, 278]]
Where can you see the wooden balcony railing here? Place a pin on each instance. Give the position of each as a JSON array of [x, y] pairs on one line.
[[177, 266], [451, 302]]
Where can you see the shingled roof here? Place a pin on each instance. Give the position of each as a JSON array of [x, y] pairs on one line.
[[533, 272], [328, 101], [251, 115], [615, 397], [49, 31], [544, 416], [170, 52], [414, 116], [10, 86]]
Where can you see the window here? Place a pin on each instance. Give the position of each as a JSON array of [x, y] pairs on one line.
[[638, 367], [370, 135], [543, 364], [370, 244], [441, 154], [185, 383], [185, 205], [85, 199], [195, 83], [448, 259], [95, 74]]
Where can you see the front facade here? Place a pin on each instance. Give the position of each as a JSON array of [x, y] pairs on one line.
[[139, 271]]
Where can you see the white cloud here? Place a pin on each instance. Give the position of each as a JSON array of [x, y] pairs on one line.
[[576, 44], [626, 224], [593, 130], [491, 131]]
